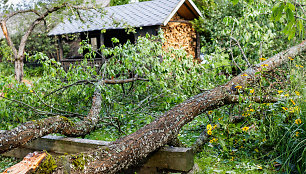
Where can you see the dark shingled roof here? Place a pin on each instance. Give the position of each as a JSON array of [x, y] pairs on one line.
[[148, 13]]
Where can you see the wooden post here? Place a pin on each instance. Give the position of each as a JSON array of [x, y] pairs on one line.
[[61, 50], [198, 46], [102, 43]]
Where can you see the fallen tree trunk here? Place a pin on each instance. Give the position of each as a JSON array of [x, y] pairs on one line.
[[39, 128], [130, 149]]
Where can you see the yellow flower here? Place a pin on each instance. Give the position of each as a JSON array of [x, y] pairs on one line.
[[214, 126], [297, 134], [178, 134], [264, 65], [296, 108], [251, 110], [297, 93], [291, 109], [259, 167], [280, 91], [285, 108], [286, 95], [298, 121], [238, 87], [292, 102], [256, 150], [262, 59], [252, 91], [220, 118], [299, 66], [244, 75], [208, 127], [215, 139], [211, 141], [210, 112], [263, 140], [290, 58], [232, 158], [245, 128], [209, 132]]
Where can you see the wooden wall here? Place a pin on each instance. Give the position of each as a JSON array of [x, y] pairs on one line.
[[179, 33]]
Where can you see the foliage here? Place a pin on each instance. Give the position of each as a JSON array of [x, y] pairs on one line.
[[272, 134], [122, 2], [250, 24], [271, 137], [6, 162]]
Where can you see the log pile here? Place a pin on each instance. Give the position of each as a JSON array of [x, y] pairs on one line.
[[179, 33]]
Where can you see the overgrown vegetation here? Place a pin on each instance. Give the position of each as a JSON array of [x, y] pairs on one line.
[[271, 136]]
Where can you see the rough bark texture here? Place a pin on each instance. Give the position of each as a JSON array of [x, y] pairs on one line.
[[36, 129], [19, 53], [130, 149]]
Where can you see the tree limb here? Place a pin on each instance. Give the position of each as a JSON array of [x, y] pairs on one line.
[[106, 81], [128, 150], [245, 58]]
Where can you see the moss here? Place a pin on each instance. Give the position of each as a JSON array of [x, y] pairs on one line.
[[67, 120], [79, 161], [48, 165], [38, 122]]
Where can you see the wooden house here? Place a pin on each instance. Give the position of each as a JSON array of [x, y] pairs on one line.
[[171, 16]]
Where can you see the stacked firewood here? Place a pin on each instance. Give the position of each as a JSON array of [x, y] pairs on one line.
[[179, 33]]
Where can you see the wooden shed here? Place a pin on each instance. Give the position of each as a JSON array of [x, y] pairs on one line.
[[172, 16]]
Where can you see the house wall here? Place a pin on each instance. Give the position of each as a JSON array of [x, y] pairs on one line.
[[179, 33]]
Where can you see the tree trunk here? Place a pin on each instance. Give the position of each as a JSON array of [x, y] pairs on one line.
[[132, 148], [19, 69]]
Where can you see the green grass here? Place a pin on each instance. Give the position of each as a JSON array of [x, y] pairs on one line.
[[6, 162], [210, 160]]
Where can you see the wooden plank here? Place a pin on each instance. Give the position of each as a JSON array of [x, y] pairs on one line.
[[56, 145], [169, 158], [172, 158], [29, 164]]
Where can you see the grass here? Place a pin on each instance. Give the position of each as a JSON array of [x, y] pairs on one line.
[[6, 162]]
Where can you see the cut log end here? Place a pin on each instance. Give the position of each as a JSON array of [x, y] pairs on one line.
[[29, 164]]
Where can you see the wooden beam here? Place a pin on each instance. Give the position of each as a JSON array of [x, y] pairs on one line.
[[61, 50], [169, 158], [29, 164]]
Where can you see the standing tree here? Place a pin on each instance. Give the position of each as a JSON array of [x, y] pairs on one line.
[[42, 12]]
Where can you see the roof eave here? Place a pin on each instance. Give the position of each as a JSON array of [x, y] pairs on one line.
[[178, 7]]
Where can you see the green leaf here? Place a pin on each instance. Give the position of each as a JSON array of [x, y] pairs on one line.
[[235, 2], [290, 15], [290, 6], [277, 11], [300, 26], [292, 33]]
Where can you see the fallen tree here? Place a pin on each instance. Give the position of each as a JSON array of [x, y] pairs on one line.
[[132, 148]]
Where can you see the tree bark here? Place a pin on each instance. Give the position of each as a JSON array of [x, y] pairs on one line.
[[36, 129], [19, 69], [130, 149], [19, 54]]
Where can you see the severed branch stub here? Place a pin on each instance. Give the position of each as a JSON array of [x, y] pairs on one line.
[[29, 164]]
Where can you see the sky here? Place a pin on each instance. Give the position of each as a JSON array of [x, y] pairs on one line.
[[15, 2]]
